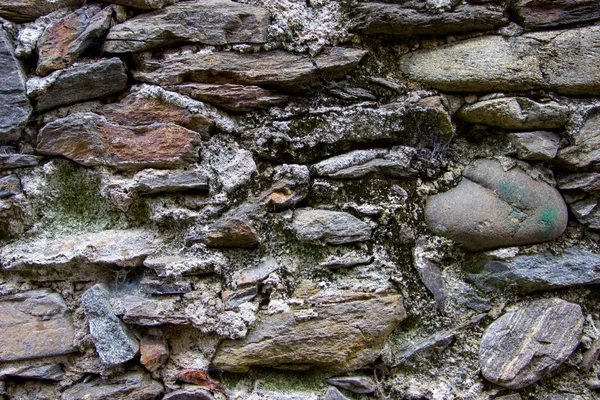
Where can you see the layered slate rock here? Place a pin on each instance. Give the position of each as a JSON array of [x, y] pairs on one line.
[[516, 113], [234, 229], [83, 82], [415, 17], [277, 69], [544, 14], [62, 43], [28, 10], [492, 207], [166, 266], [81, 256], [529, 273], [34, 324], [212, 22], [529, 341], [341, 331], [584, 149], [143, 4], [10, 185], [494, 63], [114, 342], [12, 161], [290, 188], [156, 181], [92, 140], [537, 145], [355, 384], [329, 227], [14, 107], [131, 386], [587, 212]]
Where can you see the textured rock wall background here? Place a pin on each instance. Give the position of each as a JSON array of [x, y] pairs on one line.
[[289, 199]]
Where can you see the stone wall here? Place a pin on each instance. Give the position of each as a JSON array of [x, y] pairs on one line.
[[289, 199]]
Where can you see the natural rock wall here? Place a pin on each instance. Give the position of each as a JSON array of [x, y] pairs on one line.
[[285, 199]]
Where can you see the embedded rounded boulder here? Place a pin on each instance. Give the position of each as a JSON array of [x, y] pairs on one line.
[[493, 208]]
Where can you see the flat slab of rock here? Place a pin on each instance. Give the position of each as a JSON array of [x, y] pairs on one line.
[[10, 185], [12, 161], [114, 342], [419, 18], [166, 266], [14, 106], [83, 82], [62, 43], [529, 273], [329, 227], [257, 273], [34, 324], [516, 113], [341, 332], [131, 386], [143, 4], [212, 22], [235, 229], [541, 60], [92, 140], [78, 255], [584, 150], [28, 10], [529, 341], [156, 181], [537, 145], [586, 181], [492, 208], [277, 69], [543, 14]]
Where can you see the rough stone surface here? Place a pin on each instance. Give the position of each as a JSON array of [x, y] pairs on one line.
[[34, 324], [33, 370], [529, 341], [355, 384], [495, 208], [257, 273], [545, 14], [12, 161], [189, 394], [62, 43], [290, 188], [419, 18], [144, 311], [584, 150], [83, 82], [536, 145], [166, 266], [114, 342], [154, 352], [329, 227], [588, 182], [14, 107], [233, 166], [154, 181], [92, 140], [130, 386], [340, 332], [277, 69], [587, 212], [213, 22], [28, 10], [198, 377], [235, 229], [334, 394], [10, 185], [143, 4], [516, 113]]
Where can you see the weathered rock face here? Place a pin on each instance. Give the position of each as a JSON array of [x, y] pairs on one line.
[[530, 341], [329, 227], [543, 14], [214, 22], [494, 208], [495, 63], [153, 181], [235, 229], [419, 18], [27, 10], [585, 148], [12, 161], [536, 145], [34, 324], [133, 386], [92, 140], [143, 4], [341, 332], [275, 69], [14, 107]]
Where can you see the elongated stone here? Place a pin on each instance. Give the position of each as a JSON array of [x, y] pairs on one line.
[[155, 181], [538, 145], [28, 10], [12, 161], [544, 14], [131, 386], [143, 4], [329, 227]]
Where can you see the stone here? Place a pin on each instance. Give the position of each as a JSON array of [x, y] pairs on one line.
[[588, 182], [430, 274], [515, 113], [544, 14], [587, 212], [235, 229], [10, 185], [493, 208], [144, 311], [397, 162], [165, 287], [34, 324], [544, 271], [334, 394], [62, 43], [345, 263], [143, 4], [236, 98], [212, 22], [341, 331], [167, 266], [82, 256], [156, 181], [33, 370], [274, 69], [114, 343], [233, 299], [355, 384], [14, 106], [28, 10], [12, 161], [257, 273], [200, 378], [92, 140], [154, 352], [529, 341], [409, 18], [129, 386], [291, 188], [584, 148], [189, 394], [424, 347], [83, 82], [232, 165], [495, 63], [329, 227], [536, 146]]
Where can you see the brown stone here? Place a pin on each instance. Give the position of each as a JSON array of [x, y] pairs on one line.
[[232, 233], [154, 351], [28, 10], [200, 378], [34, 324], [91, 140]]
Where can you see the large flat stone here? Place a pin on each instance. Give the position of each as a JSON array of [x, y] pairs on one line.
[[129, 386], [492, 208], [34, 324], [341, 331], [277, 69], [329, 227], [92, 140], [14, 106], [529, 341], [544, 14], [28, 10], [213, 22]]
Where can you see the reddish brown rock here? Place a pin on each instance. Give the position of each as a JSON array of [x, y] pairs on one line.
[[232, 233], [91, 140], [154, 351], [200, 378]]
